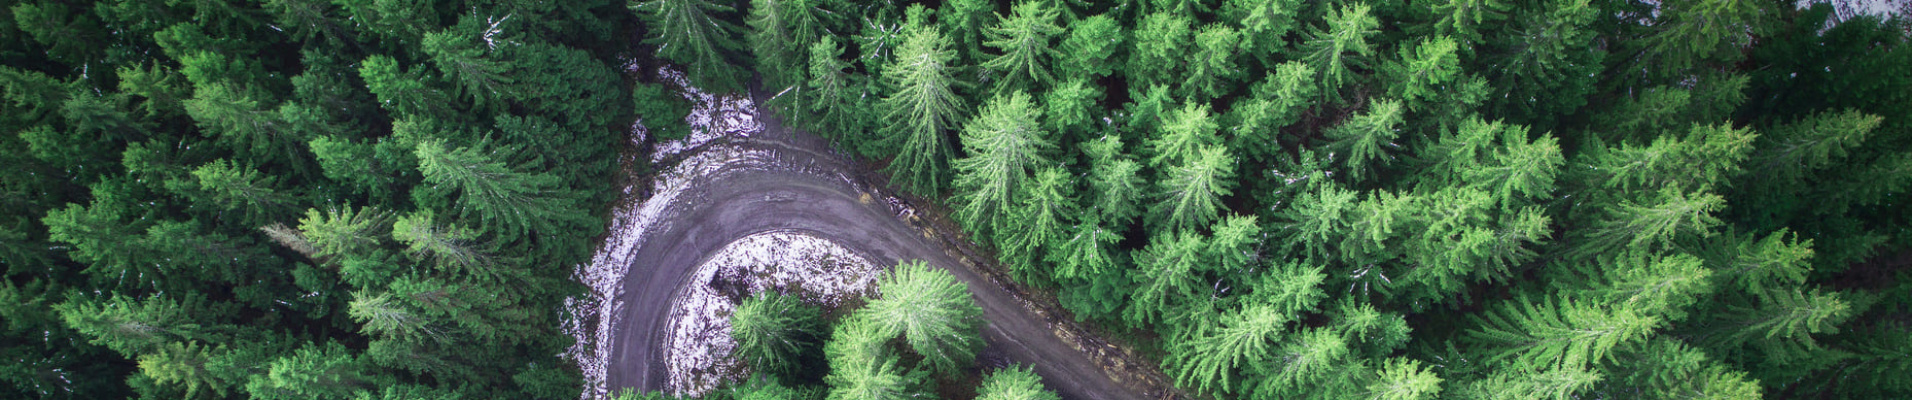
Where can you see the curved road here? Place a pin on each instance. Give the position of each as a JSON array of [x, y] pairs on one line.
[[711, 214]]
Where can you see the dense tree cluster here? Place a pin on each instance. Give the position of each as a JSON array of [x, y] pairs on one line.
[[1375, 199], [1404, 200], [301, 199]]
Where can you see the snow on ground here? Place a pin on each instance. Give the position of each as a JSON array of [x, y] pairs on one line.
[[711, 117], [816, 269], [704, 158]]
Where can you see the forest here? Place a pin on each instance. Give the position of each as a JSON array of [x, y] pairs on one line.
[[1272, 199]]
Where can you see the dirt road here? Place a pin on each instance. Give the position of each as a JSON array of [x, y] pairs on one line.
[[832, 205]]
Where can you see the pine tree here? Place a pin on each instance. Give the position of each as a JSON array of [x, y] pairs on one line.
[[1165, 276], [1006, 142], [1558, 333], [694, 33], [131, 327], [965, 22], [1041, 220], [1160, 50], [932, 311], [835, 96], [1423, 72], [1191, 197], [384, 316], [922, 108], [1023, 38], [1303, 359], [1088, 251], [185, 364], [1363, 136], [1340, 47], [1184, 135], [1404, 379], [326, 370], [1464, 19], [1212, 68], [661, 111], [509, 201], [1245, 338], [1546, 63], [1115, 184], [240, 188], [1072, 107], [449, 247], [1275, 103], [469, 60], [1086, 53], [771, 331], [1264, 25], [1014, 383], [784, 30]]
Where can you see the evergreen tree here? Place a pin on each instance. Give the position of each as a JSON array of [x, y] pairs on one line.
[[695, 34], [1363, 137], [772, 330], [509, 201], [1340, 47], [1264, 25], [1192, 195], [932, 311], [1005, 143], [1023, 38], [1245, 338], [784, 30], [1115, 183], [1040, 220], [1212, 68], [1088, 50], [922, 108], [1014, 383], [1160, 52]]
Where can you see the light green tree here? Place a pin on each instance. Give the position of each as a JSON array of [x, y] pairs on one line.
[[1335, 50], [772, 330], [921, 109], [1005, 142], [1192, 195], [1024, 40], [932, 311]]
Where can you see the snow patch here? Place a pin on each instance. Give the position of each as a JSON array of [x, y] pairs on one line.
[[818, 270]]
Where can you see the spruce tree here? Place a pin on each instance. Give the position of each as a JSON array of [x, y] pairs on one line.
[[932, 311], [921, 109]]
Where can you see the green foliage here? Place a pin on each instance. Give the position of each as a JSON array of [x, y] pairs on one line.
[[1005, 142], [1244, 338], [1341, 46], [1023, 38], [507, 200], [784, 30], [693, 33], [1165, 277], [1115, 183], [1160, 52], [1363, 137], [1212, 69], [1277, 102], [1088, 50], [1042, 218], [1264, 25], [921, 108], [1562, 334], [1192, 195], [932, 311], [1014, 383], [772, 330], [661, 111]]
